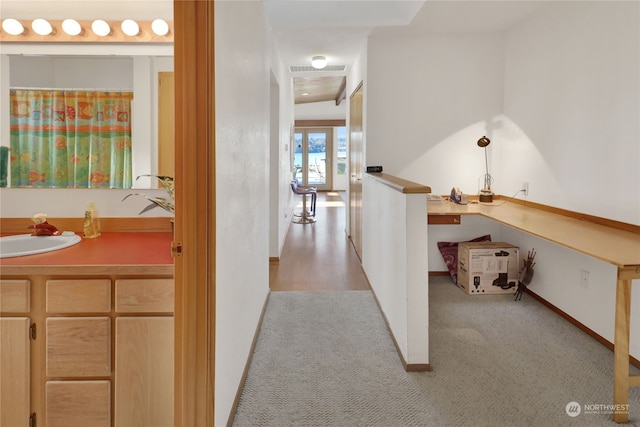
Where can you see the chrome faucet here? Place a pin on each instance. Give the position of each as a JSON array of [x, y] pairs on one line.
[[42, 227]]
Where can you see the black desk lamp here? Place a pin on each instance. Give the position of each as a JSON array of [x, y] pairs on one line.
[[486, 195]]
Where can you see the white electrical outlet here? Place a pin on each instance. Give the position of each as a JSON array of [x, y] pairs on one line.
[[525, 188], [584, 278]]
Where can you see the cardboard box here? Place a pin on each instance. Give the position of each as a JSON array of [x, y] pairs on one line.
[[488, 267]]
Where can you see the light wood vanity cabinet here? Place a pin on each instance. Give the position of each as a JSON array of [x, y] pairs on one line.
[[15, 304], [144, 353], [102, 354]]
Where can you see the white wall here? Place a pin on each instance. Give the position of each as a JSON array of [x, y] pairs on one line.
[[242, 74], [394, 250], [572, 129], [558, 94], [321, 111], [281, 174], [572, 107], [429, 99]]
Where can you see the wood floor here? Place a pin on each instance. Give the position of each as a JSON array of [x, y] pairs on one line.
[[320, 256]]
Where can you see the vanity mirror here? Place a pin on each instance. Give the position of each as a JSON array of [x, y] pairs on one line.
[[149, 78]]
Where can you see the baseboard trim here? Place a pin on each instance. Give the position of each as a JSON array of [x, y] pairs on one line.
[[439, 273], [417, 367], [245, 373], [602, 340]]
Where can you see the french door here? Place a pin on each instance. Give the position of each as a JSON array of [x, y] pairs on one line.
[[312, 157]]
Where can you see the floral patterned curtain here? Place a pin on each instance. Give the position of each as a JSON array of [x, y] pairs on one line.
[[70, 139]]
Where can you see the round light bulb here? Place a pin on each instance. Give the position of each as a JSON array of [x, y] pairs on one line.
[[130, 27], [12, 26], [319, 62], [41, 26], [71, 27], [160, 27], [101, 28]]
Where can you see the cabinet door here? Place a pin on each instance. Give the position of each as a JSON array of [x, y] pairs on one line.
[[144, 372], [14, 372], [78, 404]]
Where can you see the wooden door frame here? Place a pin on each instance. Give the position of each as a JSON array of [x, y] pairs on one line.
[[195, 208], [355, 171]]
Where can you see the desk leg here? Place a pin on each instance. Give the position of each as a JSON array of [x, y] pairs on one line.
[[621, 351]]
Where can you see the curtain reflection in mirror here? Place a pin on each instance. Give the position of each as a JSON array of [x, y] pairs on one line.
[[70, 138]]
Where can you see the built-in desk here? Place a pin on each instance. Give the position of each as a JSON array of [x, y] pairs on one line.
[[620, 247]]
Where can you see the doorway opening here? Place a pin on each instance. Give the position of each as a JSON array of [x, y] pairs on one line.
[[312, 158]]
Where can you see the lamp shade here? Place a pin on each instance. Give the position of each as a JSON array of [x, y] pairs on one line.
[[484, 141]]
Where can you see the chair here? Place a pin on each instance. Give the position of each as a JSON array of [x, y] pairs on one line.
[[304, 191]]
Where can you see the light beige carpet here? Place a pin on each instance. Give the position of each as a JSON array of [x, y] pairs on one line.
[[326, 359]]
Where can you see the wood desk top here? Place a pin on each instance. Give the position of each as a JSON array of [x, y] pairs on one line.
[[615, 246]]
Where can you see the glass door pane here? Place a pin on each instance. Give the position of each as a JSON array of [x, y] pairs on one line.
[[312, 157], [317, 158]]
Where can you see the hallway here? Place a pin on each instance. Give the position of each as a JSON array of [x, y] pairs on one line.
[[319, 257]]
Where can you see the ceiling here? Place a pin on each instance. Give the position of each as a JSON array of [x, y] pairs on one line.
[[337, 29]]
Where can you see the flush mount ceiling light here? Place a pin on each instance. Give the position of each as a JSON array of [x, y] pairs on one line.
[[130, 27], [100, 28], [41, 27], [160, 27], [318, 62], [12, 26], [71, 27]]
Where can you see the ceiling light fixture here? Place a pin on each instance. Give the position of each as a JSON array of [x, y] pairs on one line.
[[130, 27], [12, 26], [42, 27], [318, 62], [160, 27], [101, 28], [71, 27]]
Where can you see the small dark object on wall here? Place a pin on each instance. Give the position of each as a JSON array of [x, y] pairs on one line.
[[374, 169], [527, 276]]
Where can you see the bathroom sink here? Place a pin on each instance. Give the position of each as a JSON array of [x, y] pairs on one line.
[[26, 244]]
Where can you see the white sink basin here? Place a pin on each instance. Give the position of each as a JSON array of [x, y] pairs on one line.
[[26, 244]]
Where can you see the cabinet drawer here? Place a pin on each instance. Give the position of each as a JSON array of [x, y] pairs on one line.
[[78, 346], [144, 295], [443, 219], [15, 296], [79, 296], [144, 371], [78, 403]]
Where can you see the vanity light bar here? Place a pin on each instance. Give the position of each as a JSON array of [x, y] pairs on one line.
[[71, 30]]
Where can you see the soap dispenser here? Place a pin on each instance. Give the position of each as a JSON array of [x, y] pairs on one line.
[[91, 222]]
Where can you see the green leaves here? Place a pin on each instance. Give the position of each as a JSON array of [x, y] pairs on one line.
[[167, 204]]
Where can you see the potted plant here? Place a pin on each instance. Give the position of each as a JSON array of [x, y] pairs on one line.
[[167, 204]]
